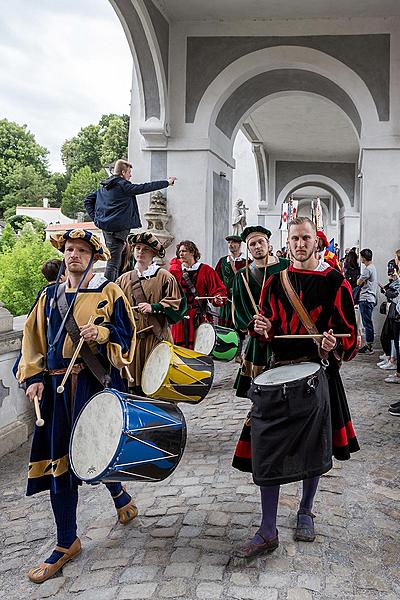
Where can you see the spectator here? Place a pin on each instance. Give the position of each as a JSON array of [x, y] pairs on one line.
[[113, 208], [352, 273], [368, 297], [50, 270], [394, 312]]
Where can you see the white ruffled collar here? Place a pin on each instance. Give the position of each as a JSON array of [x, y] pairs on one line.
[[149, 272], [193, 267]]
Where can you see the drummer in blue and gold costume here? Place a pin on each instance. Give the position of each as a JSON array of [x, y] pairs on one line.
[[47, 349]]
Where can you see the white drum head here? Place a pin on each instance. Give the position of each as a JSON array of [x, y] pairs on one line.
[[96, 435], [156, 368], [287, 373], [204, 339]]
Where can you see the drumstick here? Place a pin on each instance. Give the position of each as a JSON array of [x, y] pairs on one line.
[[144, 329], [316, 336], [128, 375], [246, 285], [61, 387], [209, 297], [39, 420]]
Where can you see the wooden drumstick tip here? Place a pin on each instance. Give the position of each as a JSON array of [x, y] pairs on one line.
[[60, 389], [39, 420]]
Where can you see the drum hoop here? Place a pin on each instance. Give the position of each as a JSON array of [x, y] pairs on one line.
[[288, 383], [118, 449], [170, 362]]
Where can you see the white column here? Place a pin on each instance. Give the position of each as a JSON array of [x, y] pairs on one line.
[[380, 205]]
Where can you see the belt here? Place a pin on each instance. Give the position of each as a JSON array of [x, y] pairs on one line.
[[77, 368]]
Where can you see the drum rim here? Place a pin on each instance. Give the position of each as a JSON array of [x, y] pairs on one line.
[[270, 385], [215, 338], [148, 358], [118, 450]]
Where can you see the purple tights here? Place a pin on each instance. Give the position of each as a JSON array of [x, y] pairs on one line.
[[269, 507]]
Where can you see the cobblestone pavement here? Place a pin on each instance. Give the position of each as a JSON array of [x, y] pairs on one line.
[[179, 546]]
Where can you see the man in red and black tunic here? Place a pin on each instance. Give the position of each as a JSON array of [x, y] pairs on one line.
[[327, 297], [199, 283]]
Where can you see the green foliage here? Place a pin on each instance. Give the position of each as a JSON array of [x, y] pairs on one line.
[[83, 150], [97, 145], [60, 181], [27, 188], [20, 276], [7, 238], [115, 139], [18, 222], [81, 184], [24, 175]]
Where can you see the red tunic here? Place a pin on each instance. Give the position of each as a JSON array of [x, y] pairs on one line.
[[207, 283]]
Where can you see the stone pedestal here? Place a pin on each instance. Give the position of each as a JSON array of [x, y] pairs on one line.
[[16, 414], [157, 219]]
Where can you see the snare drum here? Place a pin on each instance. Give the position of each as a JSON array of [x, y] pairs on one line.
[[291, 432], [120, 437], [177, 374], [220, 342]]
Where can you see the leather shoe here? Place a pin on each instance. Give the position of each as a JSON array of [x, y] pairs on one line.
[[251, 549], [305, 532]]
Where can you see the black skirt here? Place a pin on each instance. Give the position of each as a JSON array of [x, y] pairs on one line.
[[291, 434]]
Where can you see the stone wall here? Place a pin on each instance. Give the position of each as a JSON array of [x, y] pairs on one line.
[[16, 415]]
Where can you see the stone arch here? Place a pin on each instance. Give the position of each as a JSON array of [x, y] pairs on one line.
[[258, 88], [147, 33], [321, 181], [342, 86]]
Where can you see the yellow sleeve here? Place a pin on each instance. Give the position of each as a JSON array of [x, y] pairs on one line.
[[34, 342]]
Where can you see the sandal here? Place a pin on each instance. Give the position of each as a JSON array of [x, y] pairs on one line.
[[45, 570], [126, 513]]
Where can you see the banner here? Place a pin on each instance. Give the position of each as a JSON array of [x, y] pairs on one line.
[[284, 217], [293, 209]]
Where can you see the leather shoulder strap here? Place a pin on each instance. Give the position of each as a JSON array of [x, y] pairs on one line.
[[159, 330], [91, 361], [297, 304]]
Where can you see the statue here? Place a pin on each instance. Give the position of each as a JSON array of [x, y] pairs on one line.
[[239, 220], [157, 218]]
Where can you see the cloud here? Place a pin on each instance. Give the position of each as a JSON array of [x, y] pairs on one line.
[[62, 66]]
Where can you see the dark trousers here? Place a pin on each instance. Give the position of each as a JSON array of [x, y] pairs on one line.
[[366, 309], [396, 333], [115, 241]]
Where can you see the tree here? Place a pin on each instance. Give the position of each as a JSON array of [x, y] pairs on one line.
[[24, 174], [96, 145], [27, 187], [7, 238], [83, 150], [20, 276], [60, 180], [81, 184], [115, 139], [18, 223]]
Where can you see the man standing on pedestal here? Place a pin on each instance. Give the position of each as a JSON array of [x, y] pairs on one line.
[[113, 209]]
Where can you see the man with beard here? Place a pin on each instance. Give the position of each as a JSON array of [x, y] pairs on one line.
[[327, 298], [254, 275], [86, 306]]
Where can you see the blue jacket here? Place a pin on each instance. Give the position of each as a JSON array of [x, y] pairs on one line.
[[113, 207]]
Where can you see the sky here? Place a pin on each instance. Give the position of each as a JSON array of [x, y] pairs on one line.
[[63, 64]]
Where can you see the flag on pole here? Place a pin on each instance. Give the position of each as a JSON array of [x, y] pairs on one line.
[[293, 212], [284, 217]]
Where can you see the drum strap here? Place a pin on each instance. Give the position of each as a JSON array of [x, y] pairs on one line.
[[139, 296], [257, 274], [90, 359], [301, 310]]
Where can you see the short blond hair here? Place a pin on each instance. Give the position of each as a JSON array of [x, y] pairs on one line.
[[121, 165], [300, 221]]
